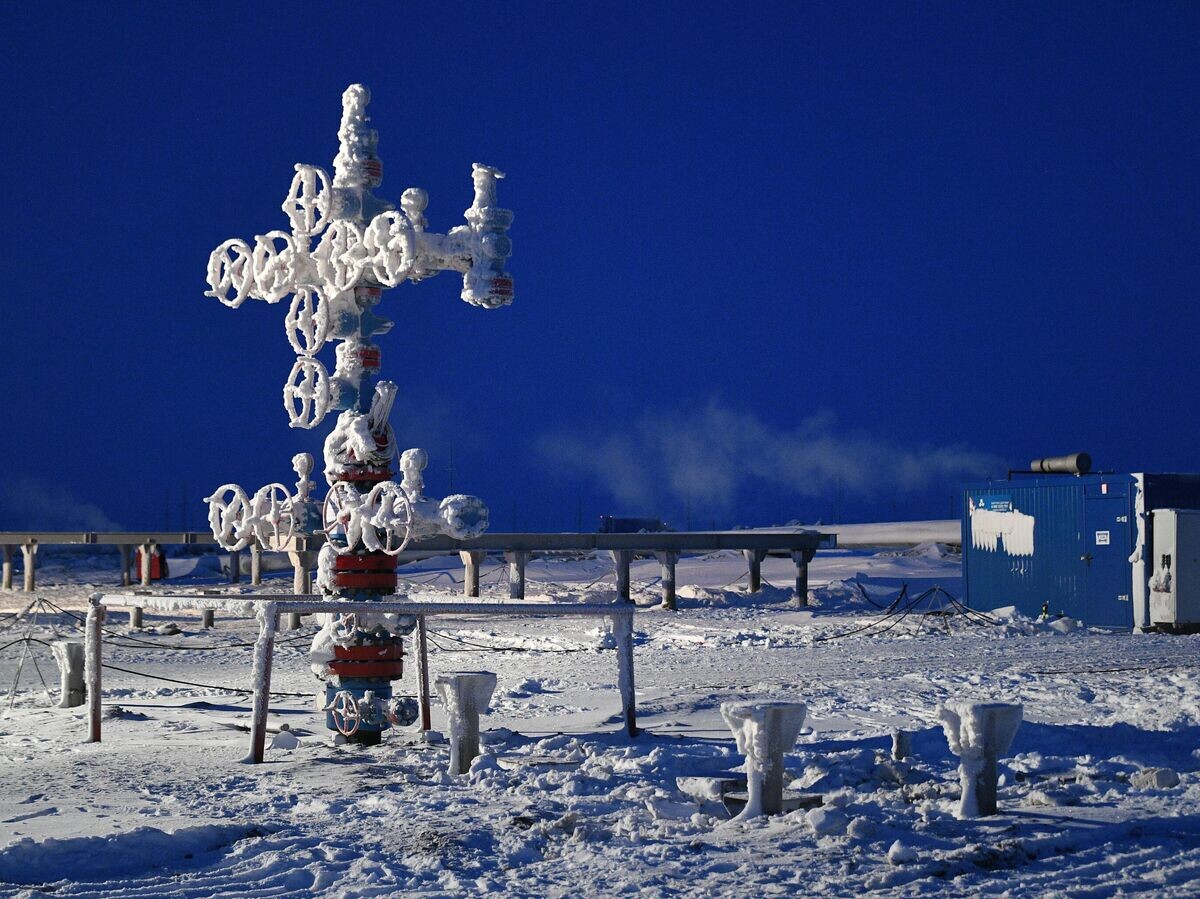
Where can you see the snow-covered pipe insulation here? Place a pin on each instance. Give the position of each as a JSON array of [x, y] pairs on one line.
[[1073, 463]]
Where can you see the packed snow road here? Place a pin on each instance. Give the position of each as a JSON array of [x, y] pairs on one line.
[[562, 803]]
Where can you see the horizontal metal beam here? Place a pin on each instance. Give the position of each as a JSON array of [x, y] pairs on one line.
[[667, 540], [704, 541], [107, 538], [411, 605]]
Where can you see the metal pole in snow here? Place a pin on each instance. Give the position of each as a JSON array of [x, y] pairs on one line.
[[264, 648], [423, 675], [92, 662], [623, 631]]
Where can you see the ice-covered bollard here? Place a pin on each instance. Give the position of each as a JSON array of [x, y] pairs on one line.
[[69, 656], [979, 733], [764, 731], [464, 694]]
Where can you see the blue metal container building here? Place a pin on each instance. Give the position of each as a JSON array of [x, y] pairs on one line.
[[1077, 543]]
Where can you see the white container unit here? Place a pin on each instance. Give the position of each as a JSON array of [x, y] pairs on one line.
[[1175, 569]]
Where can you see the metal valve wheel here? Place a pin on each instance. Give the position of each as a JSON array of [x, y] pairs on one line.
[[274, 523], [306, 394], [231, 273], [342, 517], [390, 517], [274, 267], [341, 255], [228, 511], [345, 712], [307, 202], [307, 321], [391, 246]]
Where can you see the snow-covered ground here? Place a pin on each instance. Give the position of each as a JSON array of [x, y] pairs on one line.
[[562, 803]]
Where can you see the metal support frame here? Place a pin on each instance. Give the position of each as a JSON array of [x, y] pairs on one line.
[[472, 559], [256, 554], [6, 577], [147, 556], [517, 560], [666, 561], [623, 558], [126, 564], [28, 552], [421, 606], [800, 559], [754, 559]]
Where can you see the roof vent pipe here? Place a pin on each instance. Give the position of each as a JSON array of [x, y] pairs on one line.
[[1073, 463]]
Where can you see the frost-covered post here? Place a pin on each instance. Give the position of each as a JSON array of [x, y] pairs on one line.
[[517, 560], [264, 648], [754, 559], [465, 694], [92, 665], [666, 561], [979, 733], [147, 560], [622, 628], [69, 656], [471, 559], [346, 246], [623, 558], [6, 575], [423, 674], [28, 551], [764, 731], [126, 564], [256, 553], [800, 559]]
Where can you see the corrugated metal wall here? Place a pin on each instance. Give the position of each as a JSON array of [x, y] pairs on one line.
[[1056, 572]]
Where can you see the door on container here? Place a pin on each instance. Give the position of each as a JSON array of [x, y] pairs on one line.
[[1105, 555]]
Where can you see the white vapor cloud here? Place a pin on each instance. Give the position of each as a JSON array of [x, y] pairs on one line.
[[714, 452], [35, 504]]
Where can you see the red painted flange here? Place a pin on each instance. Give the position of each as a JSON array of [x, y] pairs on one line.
[[365, 562]]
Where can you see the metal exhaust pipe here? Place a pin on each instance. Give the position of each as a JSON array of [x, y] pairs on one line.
[[1073, 463]]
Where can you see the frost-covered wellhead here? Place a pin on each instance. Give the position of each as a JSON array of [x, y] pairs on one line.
[[363, 245]]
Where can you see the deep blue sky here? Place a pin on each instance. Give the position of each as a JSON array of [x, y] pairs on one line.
[[772, 262]]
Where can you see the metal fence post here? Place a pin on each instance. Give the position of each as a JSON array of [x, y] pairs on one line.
[[623, 631], [92, 664], [264, 648], [423, 675]]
